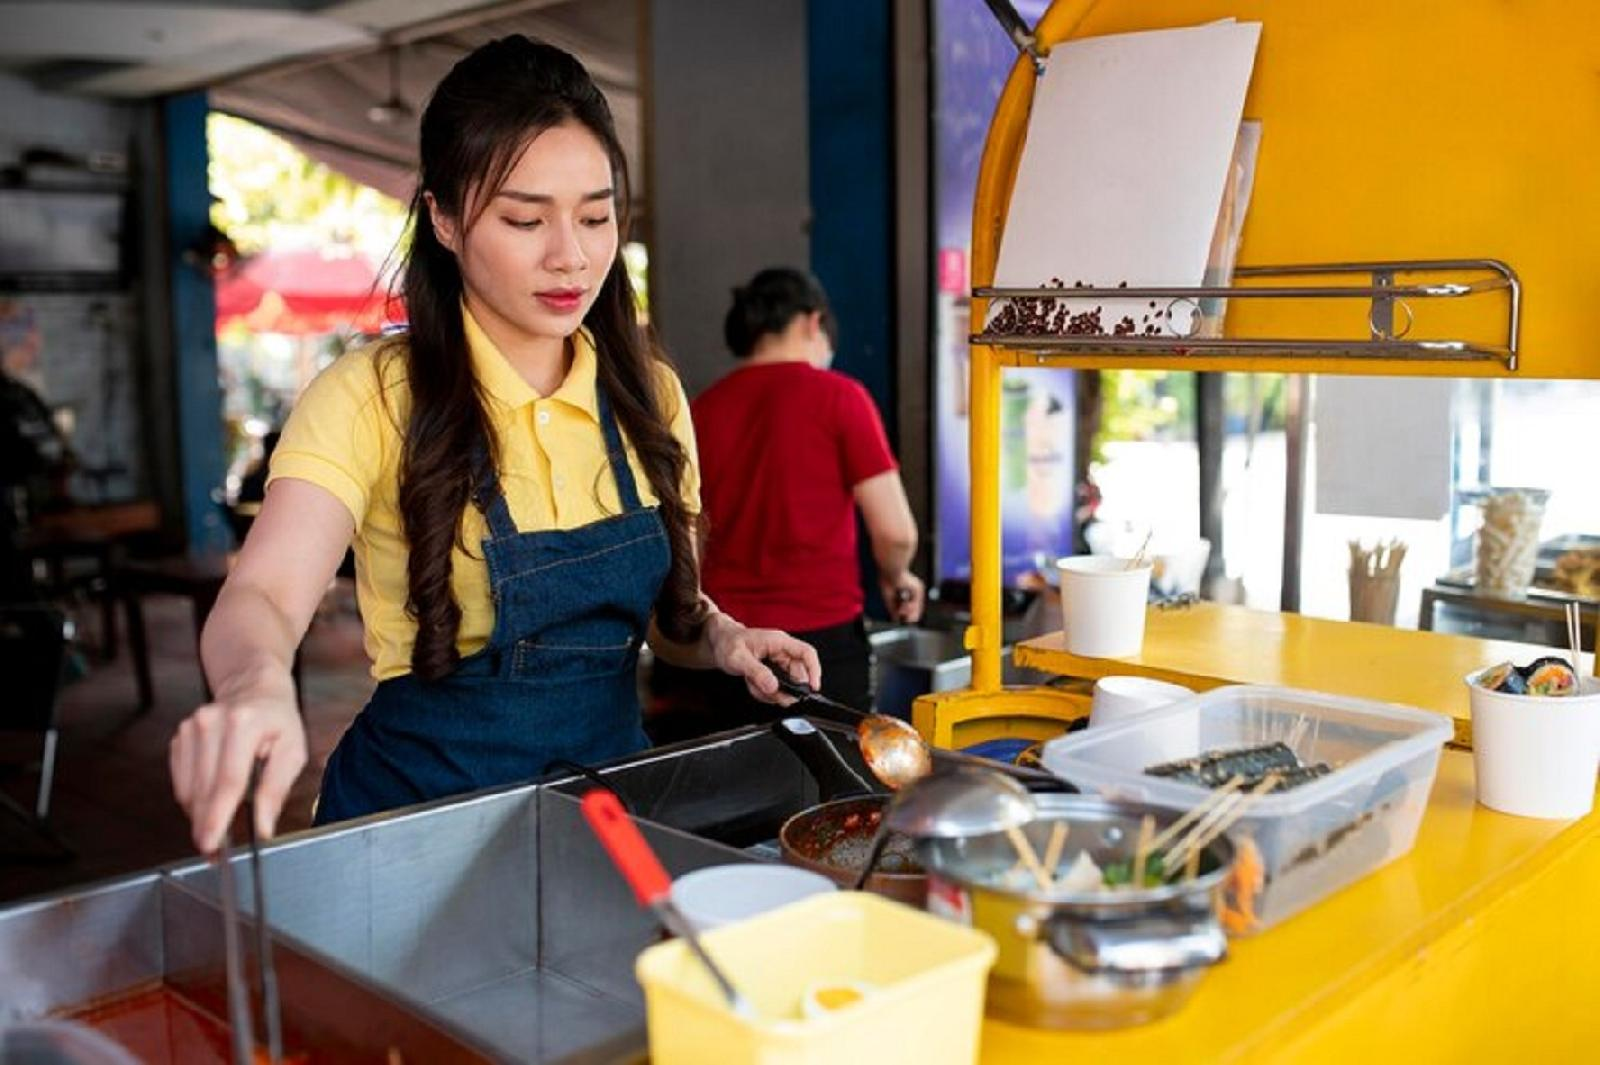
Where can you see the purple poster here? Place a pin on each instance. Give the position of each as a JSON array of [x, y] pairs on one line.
[[972, 59]]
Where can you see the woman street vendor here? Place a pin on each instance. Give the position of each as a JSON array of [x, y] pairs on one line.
[[516, 474]]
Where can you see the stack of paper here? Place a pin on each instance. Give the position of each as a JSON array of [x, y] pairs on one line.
[[1126, 162]]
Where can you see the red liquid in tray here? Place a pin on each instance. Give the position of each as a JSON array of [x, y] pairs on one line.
[[160, 1027]]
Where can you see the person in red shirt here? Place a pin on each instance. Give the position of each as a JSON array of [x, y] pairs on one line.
[[789, 449]]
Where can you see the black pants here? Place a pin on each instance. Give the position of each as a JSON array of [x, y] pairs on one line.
[[686, 703]]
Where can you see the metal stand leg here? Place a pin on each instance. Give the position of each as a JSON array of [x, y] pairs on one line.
[[47, 775], [140, 649]]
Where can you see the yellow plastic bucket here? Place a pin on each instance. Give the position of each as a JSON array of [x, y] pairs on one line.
[[923, 977]]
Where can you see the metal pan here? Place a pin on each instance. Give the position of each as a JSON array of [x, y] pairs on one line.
[[835, 839]]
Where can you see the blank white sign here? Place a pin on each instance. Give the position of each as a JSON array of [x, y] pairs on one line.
[[1126, 159]]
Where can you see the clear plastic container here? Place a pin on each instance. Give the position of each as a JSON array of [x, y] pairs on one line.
[[1311, 840]]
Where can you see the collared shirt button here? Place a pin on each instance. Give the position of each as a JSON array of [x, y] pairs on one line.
[[543, 417], [560, 481]]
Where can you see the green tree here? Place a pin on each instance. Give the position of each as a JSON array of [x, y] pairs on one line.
[[267, 193]]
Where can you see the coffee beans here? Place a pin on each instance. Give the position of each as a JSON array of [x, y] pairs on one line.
[[1052, 316]]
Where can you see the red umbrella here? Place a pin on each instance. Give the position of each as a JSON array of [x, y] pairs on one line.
[[314, 290]]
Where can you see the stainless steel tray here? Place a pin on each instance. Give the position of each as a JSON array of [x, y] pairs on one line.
[[73, 949], [493, 925], [498, 914]]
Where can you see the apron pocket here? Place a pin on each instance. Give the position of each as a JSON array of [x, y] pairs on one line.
[[542, 660]]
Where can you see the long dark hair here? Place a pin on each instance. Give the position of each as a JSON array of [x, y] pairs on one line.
[[768, 302], [483, 114]]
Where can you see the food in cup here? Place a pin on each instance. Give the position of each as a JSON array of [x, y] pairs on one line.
[[1534, 752], [1508, 541], [820, 1000], [1578, 571], [1212, 769], [1548, 676]]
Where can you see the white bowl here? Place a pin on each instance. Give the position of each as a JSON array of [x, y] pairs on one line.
[[722, 894]]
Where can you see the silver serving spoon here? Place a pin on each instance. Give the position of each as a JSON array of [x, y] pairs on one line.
[[954, 803]]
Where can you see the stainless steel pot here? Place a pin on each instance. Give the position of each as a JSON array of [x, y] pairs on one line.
[[1087, 960]]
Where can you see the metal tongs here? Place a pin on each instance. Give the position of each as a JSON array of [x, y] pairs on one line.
[[894, 751], [240, 1021]]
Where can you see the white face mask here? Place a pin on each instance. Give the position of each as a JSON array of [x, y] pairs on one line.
[[824, 347]]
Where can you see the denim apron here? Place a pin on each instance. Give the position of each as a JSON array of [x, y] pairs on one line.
[[555, 681]]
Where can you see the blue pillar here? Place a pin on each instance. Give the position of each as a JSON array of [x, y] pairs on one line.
[[850, 112], [851, 116], [194, 313]]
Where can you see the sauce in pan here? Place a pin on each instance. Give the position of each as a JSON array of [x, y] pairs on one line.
[[843, 839]]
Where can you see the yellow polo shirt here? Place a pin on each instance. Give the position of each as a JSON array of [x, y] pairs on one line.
[[345, 435]]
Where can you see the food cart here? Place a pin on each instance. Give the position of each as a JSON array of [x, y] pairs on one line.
[[492, 928], [1477, 945]]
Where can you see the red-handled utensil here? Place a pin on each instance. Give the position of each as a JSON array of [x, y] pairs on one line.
[[650, 883]]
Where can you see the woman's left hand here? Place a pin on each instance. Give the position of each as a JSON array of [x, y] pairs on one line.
[[739, 651]]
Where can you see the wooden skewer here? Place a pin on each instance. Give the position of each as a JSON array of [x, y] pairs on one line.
[[1574, 637], [1138, 558], [1191, 863], [1196, 843], [1174, 857], [1029, 858], [1053, 849], [1141, 852], [1171, 832]]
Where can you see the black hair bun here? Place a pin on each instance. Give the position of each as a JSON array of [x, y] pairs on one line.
[[768, 303]]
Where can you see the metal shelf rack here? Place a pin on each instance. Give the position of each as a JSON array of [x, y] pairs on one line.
[[1389, 302]]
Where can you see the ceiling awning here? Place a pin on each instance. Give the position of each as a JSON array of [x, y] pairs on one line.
[[325, 108], [307, 291], [318, 73]]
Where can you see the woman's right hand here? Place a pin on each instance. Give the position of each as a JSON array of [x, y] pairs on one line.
[[215, 749]]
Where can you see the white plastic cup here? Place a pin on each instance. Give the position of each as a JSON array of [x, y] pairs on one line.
[[722, 894], [1103, 605], [1536, 755]]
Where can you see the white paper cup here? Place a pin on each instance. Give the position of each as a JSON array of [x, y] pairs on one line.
[[1103, 605], [1535, 755], [722, 894], [1119, 698]]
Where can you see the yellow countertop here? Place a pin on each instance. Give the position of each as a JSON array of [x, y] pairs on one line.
[[1483, 942], [1212, 644]]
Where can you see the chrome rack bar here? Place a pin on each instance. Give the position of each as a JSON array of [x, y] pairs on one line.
[[1382, 291]]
